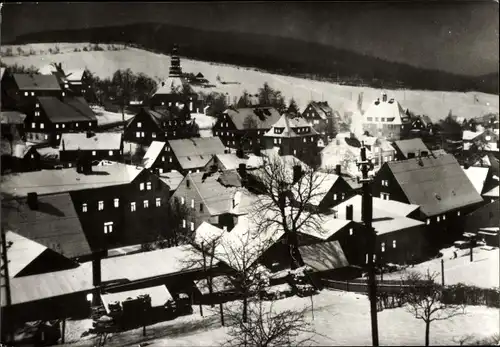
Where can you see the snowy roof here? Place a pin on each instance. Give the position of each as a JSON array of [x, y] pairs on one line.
[[12, 117], [153, 153], [220, 284], [21, 253], [324, 256], [437, 184], [75, 75], [197, 151], [322, 108], [484, 161], [243, 202], [172, 179], [415, 146], [470, 135], [70, 109], [329, 226], [255, 117], [171, 85], [36, 82], [392, 111], [65, 180], [230, 161], [493, 193], [395, 224], [338, 152], [98, 141], [291, 127], [319, 184], [159, 296], [477, 176]]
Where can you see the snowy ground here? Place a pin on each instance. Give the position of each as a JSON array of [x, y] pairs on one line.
[[106, 117], [482, 272], [339, 319], [435, 104]]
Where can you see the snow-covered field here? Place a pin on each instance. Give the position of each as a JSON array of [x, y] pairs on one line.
[[339, 319], [106, 117], [343, 98], [483, 272]]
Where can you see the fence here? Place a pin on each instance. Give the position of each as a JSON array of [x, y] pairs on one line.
[[361, 286], [470, 295]]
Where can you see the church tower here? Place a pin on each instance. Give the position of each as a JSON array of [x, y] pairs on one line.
[[175, 63]]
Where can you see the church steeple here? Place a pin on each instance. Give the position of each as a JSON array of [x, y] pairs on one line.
[[175, 63]]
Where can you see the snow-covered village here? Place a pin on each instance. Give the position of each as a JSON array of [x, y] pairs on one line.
[[169, 181]]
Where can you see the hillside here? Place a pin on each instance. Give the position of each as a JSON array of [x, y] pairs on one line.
[[271, 53], [435, 104]]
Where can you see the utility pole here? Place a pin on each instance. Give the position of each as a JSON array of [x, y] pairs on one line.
[[5, 274], [365, 166]]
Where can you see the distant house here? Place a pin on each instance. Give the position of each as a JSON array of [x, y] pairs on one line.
[[324, 120], [116, 205], [421, 124], [484, 218], [170, 94], [54, 116], [12, 125], [481, 141], [28, 257], [407, 149], [383, 152], [244, 128], [157, 125], [90, 146], [386, 119], [344, 152], [190, 155], [209, 197], [78, 82], [22, 90], [293, 136], [19, 157], [437, 184], [328, 189]]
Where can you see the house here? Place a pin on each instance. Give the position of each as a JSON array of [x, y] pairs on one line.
[[407, 149], [22, 90], [208, 198], [344, 152], [481, 141], [227, 161], [78, 82], [156, 125], [437, 184], [50, 221], [386, 118], [244, 128], [482, 178], [17, 156], [90, 146], [383, 152], [293, 136], [27, 257], [328, 189], [421, 124], [12, 125], [189, 155], [327, 260], [53, 116], [324, 120], [116, 205], [486, 216]]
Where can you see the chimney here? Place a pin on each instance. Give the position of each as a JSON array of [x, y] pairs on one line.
[[384, 97], [33, 201], [242, 170], [297, 173], [96, 271], [411, 155], [349, 212], [338, 169]]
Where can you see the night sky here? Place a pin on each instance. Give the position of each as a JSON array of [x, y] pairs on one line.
[[458, 36]]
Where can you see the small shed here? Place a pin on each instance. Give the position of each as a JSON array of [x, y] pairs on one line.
[[159, 295]]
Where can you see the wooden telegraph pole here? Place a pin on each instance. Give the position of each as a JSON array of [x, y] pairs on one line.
[[365, 166]]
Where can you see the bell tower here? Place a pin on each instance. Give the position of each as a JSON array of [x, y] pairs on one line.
[[175, 63]]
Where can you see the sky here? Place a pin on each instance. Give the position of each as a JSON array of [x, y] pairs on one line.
[[459, 36]]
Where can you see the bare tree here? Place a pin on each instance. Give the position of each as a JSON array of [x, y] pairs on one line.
[[124, 87], [266, 327], [423, 300], [288, 201]]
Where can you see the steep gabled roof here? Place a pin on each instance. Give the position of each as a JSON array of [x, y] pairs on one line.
[[171, 84], [230, 161], [322, 108], [438, 185], [290, 126], [55, 224], [156, 116], [258, 117], [98, 141], [415, 146], [36, 82], [390, 109], [324, 256], [196, 152], [318, 186], [152, 154], [477, 176], [72, 109]]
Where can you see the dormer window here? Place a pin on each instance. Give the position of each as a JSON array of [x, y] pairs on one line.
[[139, 124]]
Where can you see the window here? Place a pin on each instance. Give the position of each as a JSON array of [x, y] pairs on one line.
[[224, 228], [139, 124], [33, 125], [141, 186], [366, 258], [47, 137], [63, 94], [25, 93], [153, 135], [142, 134], [183, 223], [438, 219], [148, 186], [444, 217], [188, 184], [37, 113], [84, 207], [201, 207], [163, 158], [64, 126], [132, 206], [100, 205], [369, 119], [32, 156], [146, 203], [384, 196], [108, 227], [382, 247], [182, 200], [116, 202], [385, 183], [94, 153], [57, 126], [382, 119], [76, 125], [305, 139], [90, 124], [458, 213], [192, 226], [376, 119], [334, 196], [351, 231], [170, 160], [158, 202], [393, 243], [110, 153]]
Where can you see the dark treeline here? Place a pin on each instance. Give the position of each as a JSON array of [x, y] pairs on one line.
[[273, 54]]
